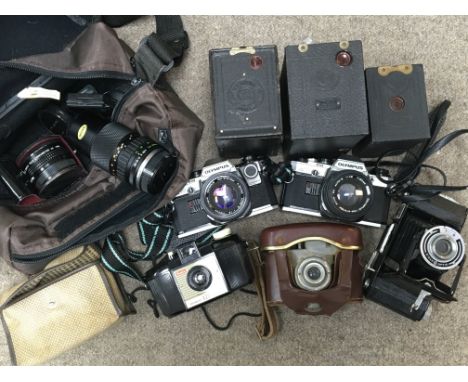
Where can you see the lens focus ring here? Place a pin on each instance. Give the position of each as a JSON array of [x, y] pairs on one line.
[[106, 143]]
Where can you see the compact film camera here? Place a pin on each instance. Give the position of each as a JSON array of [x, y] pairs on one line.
[[222, 193], [343, 190], [422, 245], [197, 274]]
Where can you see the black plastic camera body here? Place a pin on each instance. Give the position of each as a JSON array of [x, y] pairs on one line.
[[196, 275], [342, 190], [222, 193], [405, 272]]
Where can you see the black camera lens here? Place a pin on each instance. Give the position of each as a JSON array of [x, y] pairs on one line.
[[49, 167], [138, 160], [225, 197], [199, 278], [141, 162], [347, 195]]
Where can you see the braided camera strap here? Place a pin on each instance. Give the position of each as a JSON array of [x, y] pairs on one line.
[[267, 326]]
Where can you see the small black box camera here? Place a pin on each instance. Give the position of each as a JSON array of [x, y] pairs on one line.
[[246, 101], [196, 275], [324, 99], [424, 243], [398, 114]]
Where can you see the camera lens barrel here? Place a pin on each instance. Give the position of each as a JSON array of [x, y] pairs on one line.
[[49, 167], [138, 160], [347, 195]]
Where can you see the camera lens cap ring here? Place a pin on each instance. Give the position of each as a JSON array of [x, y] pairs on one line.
[[442, 248], [347, 195]]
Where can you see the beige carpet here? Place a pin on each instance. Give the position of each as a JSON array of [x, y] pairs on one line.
[[365, 334]]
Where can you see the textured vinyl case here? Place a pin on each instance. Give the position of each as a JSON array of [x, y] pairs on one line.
[[324, 98], [398, 113], [246, 100]]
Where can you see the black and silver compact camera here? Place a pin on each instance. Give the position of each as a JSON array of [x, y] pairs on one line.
[[221, 193], [405, 272], [342, 190], [195, 274]]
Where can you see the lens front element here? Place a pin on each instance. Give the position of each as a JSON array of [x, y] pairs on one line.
[[442, 247]]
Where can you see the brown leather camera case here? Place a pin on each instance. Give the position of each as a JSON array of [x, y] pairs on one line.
[[346, 285]]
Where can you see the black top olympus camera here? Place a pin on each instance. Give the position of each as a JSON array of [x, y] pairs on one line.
[[343, 190], [198, 274], [424, 242], [221, 193]]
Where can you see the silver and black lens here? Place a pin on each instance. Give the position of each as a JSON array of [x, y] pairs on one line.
[[225, 197], [442, 248], [138, 160], [313, 274], [49, 167], [347, 195]]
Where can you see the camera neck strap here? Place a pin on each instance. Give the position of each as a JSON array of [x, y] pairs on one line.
[[267, 326], [154, 234], [403, 185]]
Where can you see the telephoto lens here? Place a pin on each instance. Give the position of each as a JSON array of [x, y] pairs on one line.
[[49, 167], [135, 159]]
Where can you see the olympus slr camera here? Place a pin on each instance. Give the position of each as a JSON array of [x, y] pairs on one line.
[[196, 274], [418, 252], [222, 193], [312, 268], [343, 190]]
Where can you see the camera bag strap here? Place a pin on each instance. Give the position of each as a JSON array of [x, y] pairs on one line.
[[161, 50], [267, 326]]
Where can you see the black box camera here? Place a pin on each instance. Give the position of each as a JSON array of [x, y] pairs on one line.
[[423, 244], [324, 99], [246, 100], [196, 275], [398, 113]]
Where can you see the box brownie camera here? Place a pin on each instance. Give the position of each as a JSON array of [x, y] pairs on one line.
[[398, 114], [324, 99], [246, 101]]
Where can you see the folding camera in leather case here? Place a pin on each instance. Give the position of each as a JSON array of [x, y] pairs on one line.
[[398, 113], [283, 270], [246, 101], [324, 99]]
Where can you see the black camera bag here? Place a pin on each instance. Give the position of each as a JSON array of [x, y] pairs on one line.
[[64, 53]]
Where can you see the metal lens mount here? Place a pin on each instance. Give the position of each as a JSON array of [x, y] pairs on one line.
[[442, 248]]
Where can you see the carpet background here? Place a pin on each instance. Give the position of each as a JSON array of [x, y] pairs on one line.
[[361, 334]]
